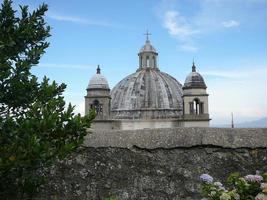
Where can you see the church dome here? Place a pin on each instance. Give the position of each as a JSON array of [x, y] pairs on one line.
[[98, 81], [147, 94], [194, 80]]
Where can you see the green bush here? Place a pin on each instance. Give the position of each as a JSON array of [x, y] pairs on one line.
[[110, 198], [249, 187], [36, 127]]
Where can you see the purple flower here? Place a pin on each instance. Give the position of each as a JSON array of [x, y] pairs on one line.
[[206, 178], [253, 178]]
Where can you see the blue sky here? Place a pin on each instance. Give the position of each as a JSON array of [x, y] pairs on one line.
[[227, 39]]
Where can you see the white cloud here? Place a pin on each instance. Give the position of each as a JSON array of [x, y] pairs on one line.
[[188, 48], [78, 20], [230, 23], [181, 29], [258, 1], [86, 21], [66, 66], [258, 72], [209, 17], [177, 25]]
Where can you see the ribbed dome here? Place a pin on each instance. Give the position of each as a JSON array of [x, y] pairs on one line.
[[147, 94], [148, 48], [194, 80], [98, 81]]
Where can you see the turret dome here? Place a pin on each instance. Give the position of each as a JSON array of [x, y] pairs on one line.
[[194, 80], [98, 81]]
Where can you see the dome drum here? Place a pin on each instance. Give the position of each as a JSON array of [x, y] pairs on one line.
[[146, 114]]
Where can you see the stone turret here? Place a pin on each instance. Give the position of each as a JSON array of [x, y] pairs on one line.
[[195, 100], [98, 96]]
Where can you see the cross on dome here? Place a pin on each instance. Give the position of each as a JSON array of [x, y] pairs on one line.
[[147, 35]]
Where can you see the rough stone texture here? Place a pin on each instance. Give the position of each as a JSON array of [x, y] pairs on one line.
[[156, 163]]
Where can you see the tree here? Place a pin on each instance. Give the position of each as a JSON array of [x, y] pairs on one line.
[[36, 127]]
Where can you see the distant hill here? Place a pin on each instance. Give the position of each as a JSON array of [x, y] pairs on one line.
[[261, 123]]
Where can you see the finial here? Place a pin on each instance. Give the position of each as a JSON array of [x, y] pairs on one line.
[[232, 125], [147, 35], [98, 69], [193, 66]]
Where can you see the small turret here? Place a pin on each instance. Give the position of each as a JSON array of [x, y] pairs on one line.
[[98, 96], [195, 98]]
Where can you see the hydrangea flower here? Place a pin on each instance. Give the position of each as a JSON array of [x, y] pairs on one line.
[[225, 196], [263, 186], [235, 195], [218, 184], [206, 178], [261, 197], [254, 178], [243, 180], [213, 193]]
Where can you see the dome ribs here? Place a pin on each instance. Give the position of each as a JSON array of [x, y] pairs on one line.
[[147, 94]]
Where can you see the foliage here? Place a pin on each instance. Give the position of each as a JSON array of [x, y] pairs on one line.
[[36, 127], [110, 198], [250, 187]]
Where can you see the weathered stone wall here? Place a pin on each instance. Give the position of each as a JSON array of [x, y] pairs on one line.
[[156, 163]]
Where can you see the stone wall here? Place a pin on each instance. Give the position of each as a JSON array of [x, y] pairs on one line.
[[156, 164], [138, 124]]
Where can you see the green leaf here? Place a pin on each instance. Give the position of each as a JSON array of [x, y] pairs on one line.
[[36, 126]]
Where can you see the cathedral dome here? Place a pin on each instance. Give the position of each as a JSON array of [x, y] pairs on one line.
[[194, 80], [147, 94], [98, 81]]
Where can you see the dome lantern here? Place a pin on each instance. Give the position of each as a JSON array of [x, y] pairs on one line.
[[148, 55]]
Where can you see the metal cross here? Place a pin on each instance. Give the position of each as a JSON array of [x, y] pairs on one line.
[[147, 34]]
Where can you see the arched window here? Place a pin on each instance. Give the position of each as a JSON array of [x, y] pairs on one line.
[[154, 62], [201, 108], [97, 106], [196, 107], [147, 61], [191, 107]]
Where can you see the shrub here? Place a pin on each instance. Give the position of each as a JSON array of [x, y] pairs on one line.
[[249, 187]]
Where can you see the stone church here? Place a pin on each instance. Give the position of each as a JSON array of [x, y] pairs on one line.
[[148, 98]]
